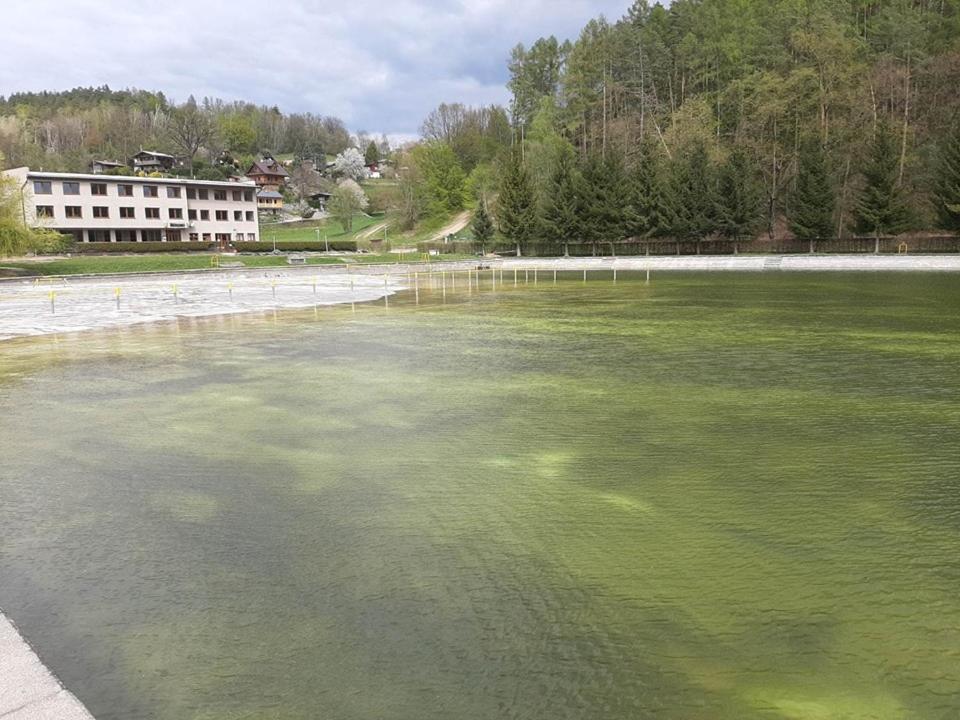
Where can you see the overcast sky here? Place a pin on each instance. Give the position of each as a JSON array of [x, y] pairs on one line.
[[380, 66]]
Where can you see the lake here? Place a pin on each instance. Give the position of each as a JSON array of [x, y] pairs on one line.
[[710, 497]]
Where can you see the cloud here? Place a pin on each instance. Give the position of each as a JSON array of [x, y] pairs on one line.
[[380, 66]]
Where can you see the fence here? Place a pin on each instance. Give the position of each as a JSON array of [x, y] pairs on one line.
[[785, 246]]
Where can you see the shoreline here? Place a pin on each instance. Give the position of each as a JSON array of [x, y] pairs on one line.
[[63, 304], [28, 689]]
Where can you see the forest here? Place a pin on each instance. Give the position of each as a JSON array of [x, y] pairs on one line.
[[731, 119], [66, 130]]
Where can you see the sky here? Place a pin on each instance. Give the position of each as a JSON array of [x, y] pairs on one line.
[[379, 66]]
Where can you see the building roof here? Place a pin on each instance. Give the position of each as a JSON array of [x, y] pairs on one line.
[[270, 195], [267, 167], [111, 163], [155, 155], [31, 174]]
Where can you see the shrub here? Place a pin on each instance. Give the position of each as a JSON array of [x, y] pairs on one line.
[[265, 246], [94, 248]]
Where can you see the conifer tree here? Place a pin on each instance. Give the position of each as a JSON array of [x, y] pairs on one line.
[[738, 198], [517, 205], [372, 154], [813, 203], [647, 216], [692, 196], [881, 209], [606, 199], [561, 217], [947, 190], [482, 226]]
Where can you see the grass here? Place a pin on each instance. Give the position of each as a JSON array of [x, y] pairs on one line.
[[330, 228], [96, 265]]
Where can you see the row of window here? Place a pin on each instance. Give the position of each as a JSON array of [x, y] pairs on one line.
[[157, 236], [45, 187], [151, 213]]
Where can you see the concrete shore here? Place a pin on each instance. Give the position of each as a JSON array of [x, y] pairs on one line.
[[28, 690], [70, 304]]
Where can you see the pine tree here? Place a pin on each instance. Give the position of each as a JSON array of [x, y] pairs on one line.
[[947, 190], [738, 198], [605, 199], [881, 209], [372, 154], [482, 226], [813, 203], [517, 206], [691, 197], [561, 217], [647, 216]]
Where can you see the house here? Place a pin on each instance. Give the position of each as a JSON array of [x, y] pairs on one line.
[[113, 208], [147, 161], [269, 176], [103, 166], [373, 171]]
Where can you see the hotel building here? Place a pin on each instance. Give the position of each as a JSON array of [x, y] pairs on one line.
[[114, 208]]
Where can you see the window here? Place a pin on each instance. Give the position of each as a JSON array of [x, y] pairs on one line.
[[173, 192], [99, 235], [151, 235], [191, 214], [42, 187], [206, 237], [249, 215], [248, 195], [44, 211], [98, 189], [223, 237], [152, 213], [175, 213], [99, 211], [202, 193], [74, 211], [127, 235], [204, 214], [125, 190], [221, 214], [237, 195], [219, 194], [173, 236], [191, 193], [239, 237], [252, 237], [194, 237], [127, 213], [149, 191], [71, 188], [238, 214]]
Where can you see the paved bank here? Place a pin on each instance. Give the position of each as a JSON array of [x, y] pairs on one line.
[[28, 690], [69, 304]]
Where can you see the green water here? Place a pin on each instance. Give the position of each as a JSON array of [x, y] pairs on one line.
[[714, 497]]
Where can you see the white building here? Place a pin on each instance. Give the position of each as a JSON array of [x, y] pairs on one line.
[[112, 208]]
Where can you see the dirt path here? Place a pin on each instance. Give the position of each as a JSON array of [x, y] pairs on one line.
[[369, 232], [454, 226]]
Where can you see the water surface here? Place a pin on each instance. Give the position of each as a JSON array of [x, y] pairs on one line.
[[713, 497]]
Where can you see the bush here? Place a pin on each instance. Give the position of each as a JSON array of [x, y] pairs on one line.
[[265, 246], [94, 248]]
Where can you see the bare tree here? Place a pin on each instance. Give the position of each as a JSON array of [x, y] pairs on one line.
[[190, 129]]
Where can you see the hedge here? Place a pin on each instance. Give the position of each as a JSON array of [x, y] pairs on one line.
[[93, 248], [265, 246]]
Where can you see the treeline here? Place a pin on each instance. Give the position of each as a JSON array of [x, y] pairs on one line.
[[66, 130], [715, 118]]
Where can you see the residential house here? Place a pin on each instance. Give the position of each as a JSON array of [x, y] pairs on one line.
[[104, 166], [270, 176], [147, 161]]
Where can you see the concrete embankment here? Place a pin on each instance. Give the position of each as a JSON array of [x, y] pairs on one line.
[[28, 690]]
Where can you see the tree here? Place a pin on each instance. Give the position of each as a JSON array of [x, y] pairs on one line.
[[483, 226], [348, 200], [605, 199], [739, 210], [947, 189], [517, 207], [562, 208], [444, 184], [881, 208], [16, 238], [238, 133], [349, 164], [814, 200], [372, 154], [190, 129], [691, 196], [647, 215]]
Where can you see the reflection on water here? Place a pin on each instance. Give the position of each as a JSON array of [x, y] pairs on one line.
[[713, 497]]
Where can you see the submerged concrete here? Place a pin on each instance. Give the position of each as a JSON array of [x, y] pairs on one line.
[[28, 690], [69, 304]]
